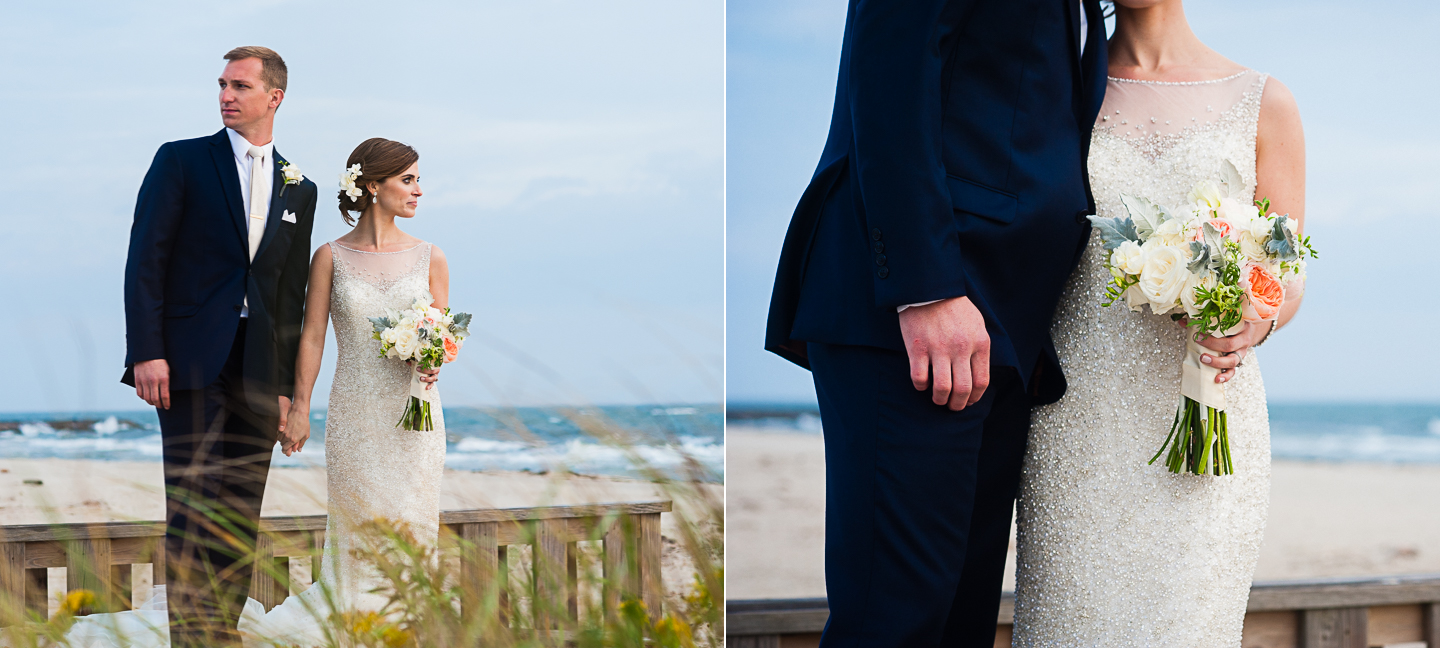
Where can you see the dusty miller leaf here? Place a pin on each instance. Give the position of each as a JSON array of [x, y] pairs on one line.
[[1282, 241], [1114, 231], [1230, 179], [1146, 215]]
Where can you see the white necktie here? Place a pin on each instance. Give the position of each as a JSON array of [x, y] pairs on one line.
[[256, 221]]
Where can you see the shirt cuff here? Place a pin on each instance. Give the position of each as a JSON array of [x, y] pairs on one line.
[[901, 309]]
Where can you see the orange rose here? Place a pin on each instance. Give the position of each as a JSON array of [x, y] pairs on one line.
[[452, 350], [1263, 293], [1224, 226]]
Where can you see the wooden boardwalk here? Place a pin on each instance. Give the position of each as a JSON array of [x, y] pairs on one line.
[[1329, 613], [98, 557]]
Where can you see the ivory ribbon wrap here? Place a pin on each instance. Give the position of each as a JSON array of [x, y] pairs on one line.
[[1197, 379], [417, 388]]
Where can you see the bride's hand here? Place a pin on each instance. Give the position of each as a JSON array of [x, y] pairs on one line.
[[296, 430], [427, 376], [1232, 350]]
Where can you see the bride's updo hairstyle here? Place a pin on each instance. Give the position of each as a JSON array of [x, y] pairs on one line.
[[379, 159]]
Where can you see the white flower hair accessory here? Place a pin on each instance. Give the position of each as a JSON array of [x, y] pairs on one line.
[[347, 182]]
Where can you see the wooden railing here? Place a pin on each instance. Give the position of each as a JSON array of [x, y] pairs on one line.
[[1331, 613], [98, 557]]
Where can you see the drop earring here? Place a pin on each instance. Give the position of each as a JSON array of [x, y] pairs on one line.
[[375, 198]]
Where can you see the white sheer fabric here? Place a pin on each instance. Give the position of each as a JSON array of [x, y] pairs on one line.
[[373, 468], [1114, 552]]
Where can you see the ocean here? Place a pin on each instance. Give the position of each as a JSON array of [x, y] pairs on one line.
[[535, 439], [1371, 432]]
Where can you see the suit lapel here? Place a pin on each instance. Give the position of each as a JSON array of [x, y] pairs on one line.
[[1076, 52], [1096, 62], [277, 203], [224, 158]]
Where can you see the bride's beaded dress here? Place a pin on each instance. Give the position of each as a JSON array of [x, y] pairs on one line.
[[373, 468], [1113, 552]]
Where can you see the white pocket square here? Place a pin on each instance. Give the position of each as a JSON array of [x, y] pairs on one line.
[[287, 217]]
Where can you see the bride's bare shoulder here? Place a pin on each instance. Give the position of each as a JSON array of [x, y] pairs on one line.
[[1279, 113]]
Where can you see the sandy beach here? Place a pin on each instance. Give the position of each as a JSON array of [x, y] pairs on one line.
[[1326, 519], [39, 491]]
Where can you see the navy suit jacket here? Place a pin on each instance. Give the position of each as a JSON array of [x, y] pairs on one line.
[[955, 166], [189, 271]]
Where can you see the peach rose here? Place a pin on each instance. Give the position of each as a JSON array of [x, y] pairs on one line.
[[1263, 293], [1224, 226], [452, 350]]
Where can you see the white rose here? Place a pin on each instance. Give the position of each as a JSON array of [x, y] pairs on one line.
[[1206, 195], [1292, 225], [1128, 258], [1163, 276], [1259, 228], [1187, 295], [1171, 232], [1236, 211], [292, 173], [1253, 249], [389, 336], [407, 343]]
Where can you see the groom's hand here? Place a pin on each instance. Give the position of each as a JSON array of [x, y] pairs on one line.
[[152, 382], [947, 340]]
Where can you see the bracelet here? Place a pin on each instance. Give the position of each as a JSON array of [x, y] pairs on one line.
[[1274, 323]]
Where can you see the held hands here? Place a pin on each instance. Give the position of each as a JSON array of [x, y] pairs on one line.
[[152, 382], [1232, 350], [947, 340], [294, 425], [429, 377]]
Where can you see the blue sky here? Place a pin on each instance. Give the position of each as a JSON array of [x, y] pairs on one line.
[[1362, 74], [571, 153]]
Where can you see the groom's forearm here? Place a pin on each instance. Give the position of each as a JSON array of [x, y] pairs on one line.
[[158, 210], [290, 313], [894, 87]]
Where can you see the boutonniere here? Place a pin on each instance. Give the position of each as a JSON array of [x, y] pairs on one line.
[[291, 174]]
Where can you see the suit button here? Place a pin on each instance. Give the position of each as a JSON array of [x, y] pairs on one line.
[[878, 247], [875, 234], [882, 272], [880, 259], [1082, 217], [237, 309]]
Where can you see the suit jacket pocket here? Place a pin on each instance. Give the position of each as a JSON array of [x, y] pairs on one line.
[[983, 201], [181, 310]]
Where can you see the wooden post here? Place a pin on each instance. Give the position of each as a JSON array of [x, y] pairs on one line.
[[572, 579], [122, 586], [479, 566], [87, 566], [157, 562], [37, 592], [652, 585], [613, 564], [1334, 628], [548, 566], [1430, 621], [317, 555], [12, 583], [263, 583], [502, 583]]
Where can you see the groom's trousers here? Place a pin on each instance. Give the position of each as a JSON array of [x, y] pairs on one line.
[[918, 501], [217, 456]]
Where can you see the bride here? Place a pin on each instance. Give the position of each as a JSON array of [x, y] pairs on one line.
[[373, 468], [1111, 551]]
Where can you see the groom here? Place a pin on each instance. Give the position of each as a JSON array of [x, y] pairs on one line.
[[214, 296], [917, 283]]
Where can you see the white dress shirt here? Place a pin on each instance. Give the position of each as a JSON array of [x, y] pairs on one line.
[[243, 164], [1084, 30]]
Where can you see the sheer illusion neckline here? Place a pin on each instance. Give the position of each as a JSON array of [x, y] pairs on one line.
[[413, 247], [1180, 83]]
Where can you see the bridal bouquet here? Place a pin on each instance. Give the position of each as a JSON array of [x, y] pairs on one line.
[[1217, 261], [426, 336]]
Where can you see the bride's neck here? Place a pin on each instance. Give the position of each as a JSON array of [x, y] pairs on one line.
[[1154, 39], [377, 230]]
